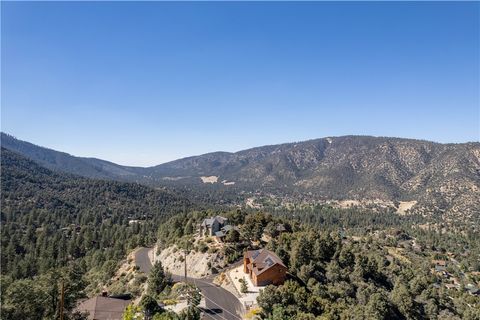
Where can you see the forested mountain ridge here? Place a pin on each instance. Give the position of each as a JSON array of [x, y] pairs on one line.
[[61, 161], [79, 215], [61, 227], [442, 178]]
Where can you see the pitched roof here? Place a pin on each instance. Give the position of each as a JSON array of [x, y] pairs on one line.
[[103, 308], [262, 260], [227, 228], [209, 221], [221, 219], [252, 254]]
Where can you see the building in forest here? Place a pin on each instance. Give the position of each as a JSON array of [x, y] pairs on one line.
[[103, 308], [264, 267], [210, 226]]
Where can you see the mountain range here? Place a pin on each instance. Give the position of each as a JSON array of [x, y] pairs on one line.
[[425, 176]]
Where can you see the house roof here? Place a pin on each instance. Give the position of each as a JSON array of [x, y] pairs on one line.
[[227, 228], [209, 221], [262, 260], [103, 308], [223, 232]]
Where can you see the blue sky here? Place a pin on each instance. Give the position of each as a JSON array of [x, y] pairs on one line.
[[144, 83]]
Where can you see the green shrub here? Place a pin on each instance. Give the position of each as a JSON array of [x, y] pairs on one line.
[[202, 247]]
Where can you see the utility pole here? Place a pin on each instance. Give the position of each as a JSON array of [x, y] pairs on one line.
[[185, 261], [62, 300]]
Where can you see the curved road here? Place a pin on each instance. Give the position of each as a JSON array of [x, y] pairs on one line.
[[221, 304], [142, 260]]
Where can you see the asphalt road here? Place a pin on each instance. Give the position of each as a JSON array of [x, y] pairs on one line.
[[142, 260], [221, 304]]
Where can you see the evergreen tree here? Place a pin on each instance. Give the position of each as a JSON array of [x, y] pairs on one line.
[[157, 279], [150, 306]]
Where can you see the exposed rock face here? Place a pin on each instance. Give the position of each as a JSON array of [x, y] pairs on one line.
[[444, 177], [198, 264]]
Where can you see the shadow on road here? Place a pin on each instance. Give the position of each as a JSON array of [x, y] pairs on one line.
[[212, 311]]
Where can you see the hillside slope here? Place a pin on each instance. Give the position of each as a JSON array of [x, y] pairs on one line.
[[441, 177], [61, 161], [49, 218]]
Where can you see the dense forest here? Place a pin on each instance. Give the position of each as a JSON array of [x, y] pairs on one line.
[[59, 227], [457, 236], [338, 279], [341, 266]]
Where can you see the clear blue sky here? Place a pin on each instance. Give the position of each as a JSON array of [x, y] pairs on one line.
[[144, 83]]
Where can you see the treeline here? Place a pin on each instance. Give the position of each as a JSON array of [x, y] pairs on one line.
[[356, 220]]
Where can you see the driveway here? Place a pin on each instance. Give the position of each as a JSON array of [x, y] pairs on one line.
[[220, 303]]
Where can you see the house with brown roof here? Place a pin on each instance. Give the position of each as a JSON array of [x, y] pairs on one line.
[[264, 267], [103, 308]]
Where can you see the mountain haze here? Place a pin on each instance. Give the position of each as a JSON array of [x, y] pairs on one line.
[[440, 177]]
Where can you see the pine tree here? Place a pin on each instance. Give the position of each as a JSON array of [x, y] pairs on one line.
[[157, 280]]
